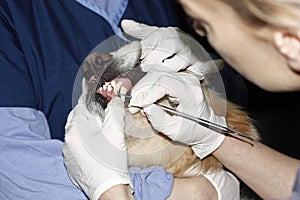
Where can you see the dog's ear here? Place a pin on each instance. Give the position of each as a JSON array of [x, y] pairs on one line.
[[288, 45]]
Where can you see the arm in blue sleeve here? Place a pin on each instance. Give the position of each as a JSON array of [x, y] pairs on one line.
[[296, 190], [31, 163]]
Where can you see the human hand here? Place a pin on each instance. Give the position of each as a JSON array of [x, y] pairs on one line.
[[169, 49], [184, 89], [87, 143]]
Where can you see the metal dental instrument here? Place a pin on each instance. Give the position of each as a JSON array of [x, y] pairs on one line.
[[208, 124], [205, 123]]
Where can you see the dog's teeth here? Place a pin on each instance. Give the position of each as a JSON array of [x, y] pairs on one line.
[[109, 88], [99, 90], [113, 83], [104, 87], [106, 83]]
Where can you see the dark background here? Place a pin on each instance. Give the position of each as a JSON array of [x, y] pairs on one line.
[[277, 117]]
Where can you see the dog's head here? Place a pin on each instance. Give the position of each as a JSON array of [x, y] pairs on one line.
[[109, 74]]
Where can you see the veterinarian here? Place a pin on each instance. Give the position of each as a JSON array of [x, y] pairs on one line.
[[42, 46], [259, 39]]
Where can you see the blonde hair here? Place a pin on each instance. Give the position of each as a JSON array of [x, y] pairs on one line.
[[277, 13]]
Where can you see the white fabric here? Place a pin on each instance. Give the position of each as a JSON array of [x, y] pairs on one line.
[[183, 89], [87, 142]]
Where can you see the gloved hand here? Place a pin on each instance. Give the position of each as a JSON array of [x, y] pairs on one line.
[[95, 152], [168, 49], [185, 90], [226, 184]]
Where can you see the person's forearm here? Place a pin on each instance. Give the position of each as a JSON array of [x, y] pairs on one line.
[[118, 192], [267, 172]]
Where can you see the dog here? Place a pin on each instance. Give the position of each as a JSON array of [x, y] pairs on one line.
[[146, 146]]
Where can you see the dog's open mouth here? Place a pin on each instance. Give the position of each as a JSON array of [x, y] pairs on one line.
[[116, 87], [121, 85], [111, 74]]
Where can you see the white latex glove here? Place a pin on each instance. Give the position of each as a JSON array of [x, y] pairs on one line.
[[168, 49], [227, 185], [95, 152], [184, 89]]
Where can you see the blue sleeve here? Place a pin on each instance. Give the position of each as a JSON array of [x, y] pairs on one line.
[[42, 46], [151, 183], [31, 162], [296, 190]]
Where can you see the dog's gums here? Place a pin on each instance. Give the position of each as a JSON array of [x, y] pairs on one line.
[[115, 87]]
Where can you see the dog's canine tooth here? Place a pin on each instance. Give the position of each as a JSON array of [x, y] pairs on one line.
[[99, 90], [113, 83], [109, 88]]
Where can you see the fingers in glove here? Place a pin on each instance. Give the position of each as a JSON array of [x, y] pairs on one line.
[[162, 121], [136, 29], [163, 44], [201, 70], [147, 91], [156, 85], [174, 127], [113, 125], [170, 63]]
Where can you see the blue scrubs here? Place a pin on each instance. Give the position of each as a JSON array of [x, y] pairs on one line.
[[44, 42], [42, 45]]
